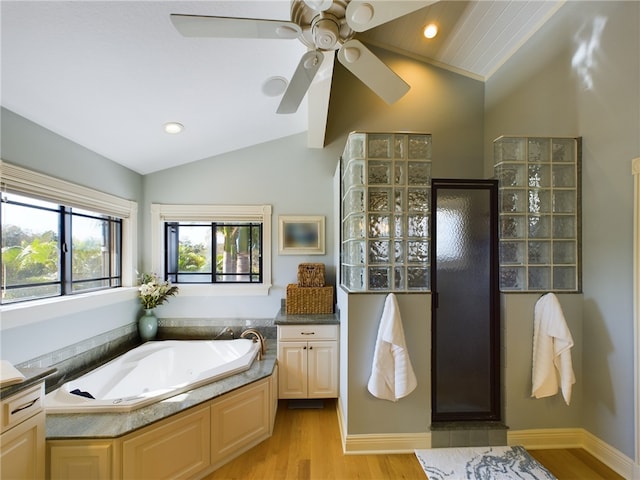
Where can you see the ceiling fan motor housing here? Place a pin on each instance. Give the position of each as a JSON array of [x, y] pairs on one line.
[[323, 30]]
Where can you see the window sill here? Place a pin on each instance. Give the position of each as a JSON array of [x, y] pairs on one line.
[[24, 313], [223, 290]]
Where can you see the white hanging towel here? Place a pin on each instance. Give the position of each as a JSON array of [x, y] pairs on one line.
[[552, 344], [392, 376]]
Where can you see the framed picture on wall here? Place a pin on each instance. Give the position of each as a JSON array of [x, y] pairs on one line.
[[300, 235]]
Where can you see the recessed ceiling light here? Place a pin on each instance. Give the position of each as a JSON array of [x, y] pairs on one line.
[[274, 86], [430, 30], [173, 127]]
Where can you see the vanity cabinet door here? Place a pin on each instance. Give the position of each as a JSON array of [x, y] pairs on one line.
[[81, 460], [179, 448], [292, 381], [322, 370], [22, 454]]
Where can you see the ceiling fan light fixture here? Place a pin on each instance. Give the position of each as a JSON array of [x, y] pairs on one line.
[[319, 5], [326, 32], [274, 86], [430, 31], [173, 127]]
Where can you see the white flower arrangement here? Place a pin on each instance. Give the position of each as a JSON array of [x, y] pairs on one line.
[[153, 292]]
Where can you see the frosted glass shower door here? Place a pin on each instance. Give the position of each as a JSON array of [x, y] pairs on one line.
[[465, 328]]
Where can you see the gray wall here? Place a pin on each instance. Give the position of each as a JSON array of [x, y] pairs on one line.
[[360, 320], [548, 88], [446, 105], [285, 174], [31, 146], [521, 410]]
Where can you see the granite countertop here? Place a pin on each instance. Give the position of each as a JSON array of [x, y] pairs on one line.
[[32, 375], [116, 424], [306, 319]]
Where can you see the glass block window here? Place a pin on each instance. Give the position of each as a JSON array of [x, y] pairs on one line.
[[539, 207], [386, 191]]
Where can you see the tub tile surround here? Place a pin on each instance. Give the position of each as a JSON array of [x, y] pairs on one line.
[[207, 328], [74, 360]]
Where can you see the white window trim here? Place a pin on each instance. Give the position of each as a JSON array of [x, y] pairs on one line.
[[161, 213], [23, 181]]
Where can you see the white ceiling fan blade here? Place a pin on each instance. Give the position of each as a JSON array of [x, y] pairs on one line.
[[365, 14], [360, 61], [229, 27], [301, 81]]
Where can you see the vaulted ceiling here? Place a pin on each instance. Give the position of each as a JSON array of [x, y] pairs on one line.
[[109, 74]]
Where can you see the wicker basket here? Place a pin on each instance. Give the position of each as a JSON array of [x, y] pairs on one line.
[[305, 300], [311, 275]]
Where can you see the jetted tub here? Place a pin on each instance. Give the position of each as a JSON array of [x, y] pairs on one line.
[[152, 372]]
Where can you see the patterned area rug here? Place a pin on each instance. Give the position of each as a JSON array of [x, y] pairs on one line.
[[481, 463]]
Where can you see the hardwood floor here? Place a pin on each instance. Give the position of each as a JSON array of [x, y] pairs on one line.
[[306, 445], [574, 463]]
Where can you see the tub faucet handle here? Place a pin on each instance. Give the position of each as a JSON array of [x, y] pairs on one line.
[[227, 331]]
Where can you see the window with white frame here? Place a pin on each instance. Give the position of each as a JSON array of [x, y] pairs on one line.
[[213, 249], [61, 239]]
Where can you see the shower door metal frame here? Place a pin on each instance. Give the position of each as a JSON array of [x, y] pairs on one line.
[[495, 411]]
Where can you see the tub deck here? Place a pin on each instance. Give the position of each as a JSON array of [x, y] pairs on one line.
[[116, 424]]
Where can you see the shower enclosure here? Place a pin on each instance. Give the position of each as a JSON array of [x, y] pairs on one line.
[[465, 302]]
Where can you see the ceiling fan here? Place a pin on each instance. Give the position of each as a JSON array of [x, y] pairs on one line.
[[322, 25]]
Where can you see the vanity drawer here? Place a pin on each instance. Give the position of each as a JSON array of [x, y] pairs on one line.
[[21, 406], [307, 332]]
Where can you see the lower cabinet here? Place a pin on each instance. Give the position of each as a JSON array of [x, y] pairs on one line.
[[178, 448], [186, 445], [22, 435], [239, 422], [308, 360], [82, 459], [22, 453]]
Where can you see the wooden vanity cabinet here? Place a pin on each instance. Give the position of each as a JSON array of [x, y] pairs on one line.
[[187, 445], [22, 441], [308, 361]]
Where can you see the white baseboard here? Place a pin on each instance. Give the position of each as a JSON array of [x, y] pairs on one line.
[[548, 438], [385, 443], [576, 438], [380, 443]]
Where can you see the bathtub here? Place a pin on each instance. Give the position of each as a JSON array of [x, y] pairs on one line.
[[152, 372]]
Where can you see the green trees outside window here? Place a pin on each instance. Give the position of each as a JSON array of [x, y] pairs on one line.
[[51, 250], [213, 252]]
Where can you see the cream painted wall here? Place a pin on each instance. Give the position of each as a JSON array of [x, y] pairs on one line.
[[580, 76]]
